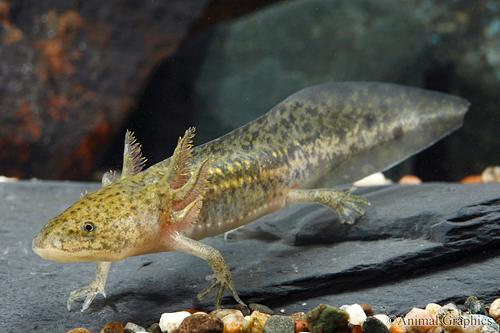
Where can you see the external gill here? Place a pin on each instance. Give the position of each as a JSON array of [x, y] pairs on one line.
[[182, 188], [184, 204]]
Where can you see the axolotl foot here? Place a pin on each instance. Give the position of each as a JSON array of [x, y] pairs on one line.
[[95, 288], [348, 207], [220, 281], [89, 293]]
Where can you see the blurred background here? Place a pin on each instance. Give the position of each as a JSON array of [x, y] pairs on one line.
[[75, 74]]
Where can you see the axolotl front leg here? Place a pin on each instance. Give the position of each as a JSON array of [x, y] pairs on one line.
[[133, 162], [97, 286], [93, 289]]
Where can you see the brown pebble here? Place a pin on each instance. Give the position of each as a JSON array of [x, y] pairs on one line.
[[367, 309], [154, 328], [301, 326], [243, 308], [114, 327], [79, 330], [472, 179], [201, 323], [261, 308], [356, 329]]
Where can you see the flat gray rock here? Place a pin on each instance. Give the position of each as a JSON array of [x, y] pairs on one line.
[[416, 244]]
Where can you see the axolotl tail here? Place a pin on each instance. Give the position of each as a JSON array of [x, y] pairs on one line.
[[343, 131]]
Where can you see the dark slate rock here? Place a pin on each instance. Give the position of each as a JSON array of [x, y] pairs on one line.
[[154, 328], [373, 325], [474, 306], [69, 72], [261, 308], [417, 244]]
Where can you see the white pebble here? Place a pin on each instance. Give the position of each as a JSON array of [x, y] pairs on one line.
[[356, 313], [234, 322], [134, 327], [495, 309], [433, 308], [384, 319], [172, 321], [200, 312], [373, 180], [221, 313]]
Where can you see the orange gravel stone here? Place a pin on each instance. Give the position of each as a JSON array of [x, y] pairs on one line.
[[397, 326], [79, 330], [114, 327], [472, 179], [410, 180], [301, 326]]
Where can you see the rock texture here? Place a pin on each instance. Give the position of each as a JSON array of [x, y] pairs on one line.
[[417, 244], [69, 73]]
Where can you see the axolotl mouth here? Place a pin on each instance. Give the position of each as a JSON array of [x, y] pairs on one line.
[[42, 247]]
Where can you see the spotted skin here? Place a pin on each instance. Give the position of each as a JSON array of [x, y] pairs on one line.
[[256, 169]]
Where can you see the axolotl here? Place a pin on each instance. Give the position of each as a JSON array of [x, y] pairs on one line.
[[338, 132]]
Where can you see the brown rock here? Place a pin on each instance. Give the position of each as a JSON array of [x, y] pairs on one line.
[[201, 323], [356, 329], [114, 327], [367, 309], [261, 308], [66, 88], [301, 326]]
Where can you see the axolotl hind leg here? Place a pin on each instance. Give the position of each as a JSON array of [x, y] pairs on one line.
[[221, 279], [348, 207]]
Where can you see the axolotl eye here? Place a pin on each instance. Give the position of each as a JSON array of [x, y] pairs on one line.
[[88, 227]]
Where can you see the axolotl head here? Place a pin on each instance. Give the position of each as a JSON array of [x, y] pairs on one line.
[[105, 225]]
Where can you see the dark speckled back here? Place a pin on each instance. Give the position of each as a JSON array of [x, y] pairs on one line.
[[338, 132], [345, 130]]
